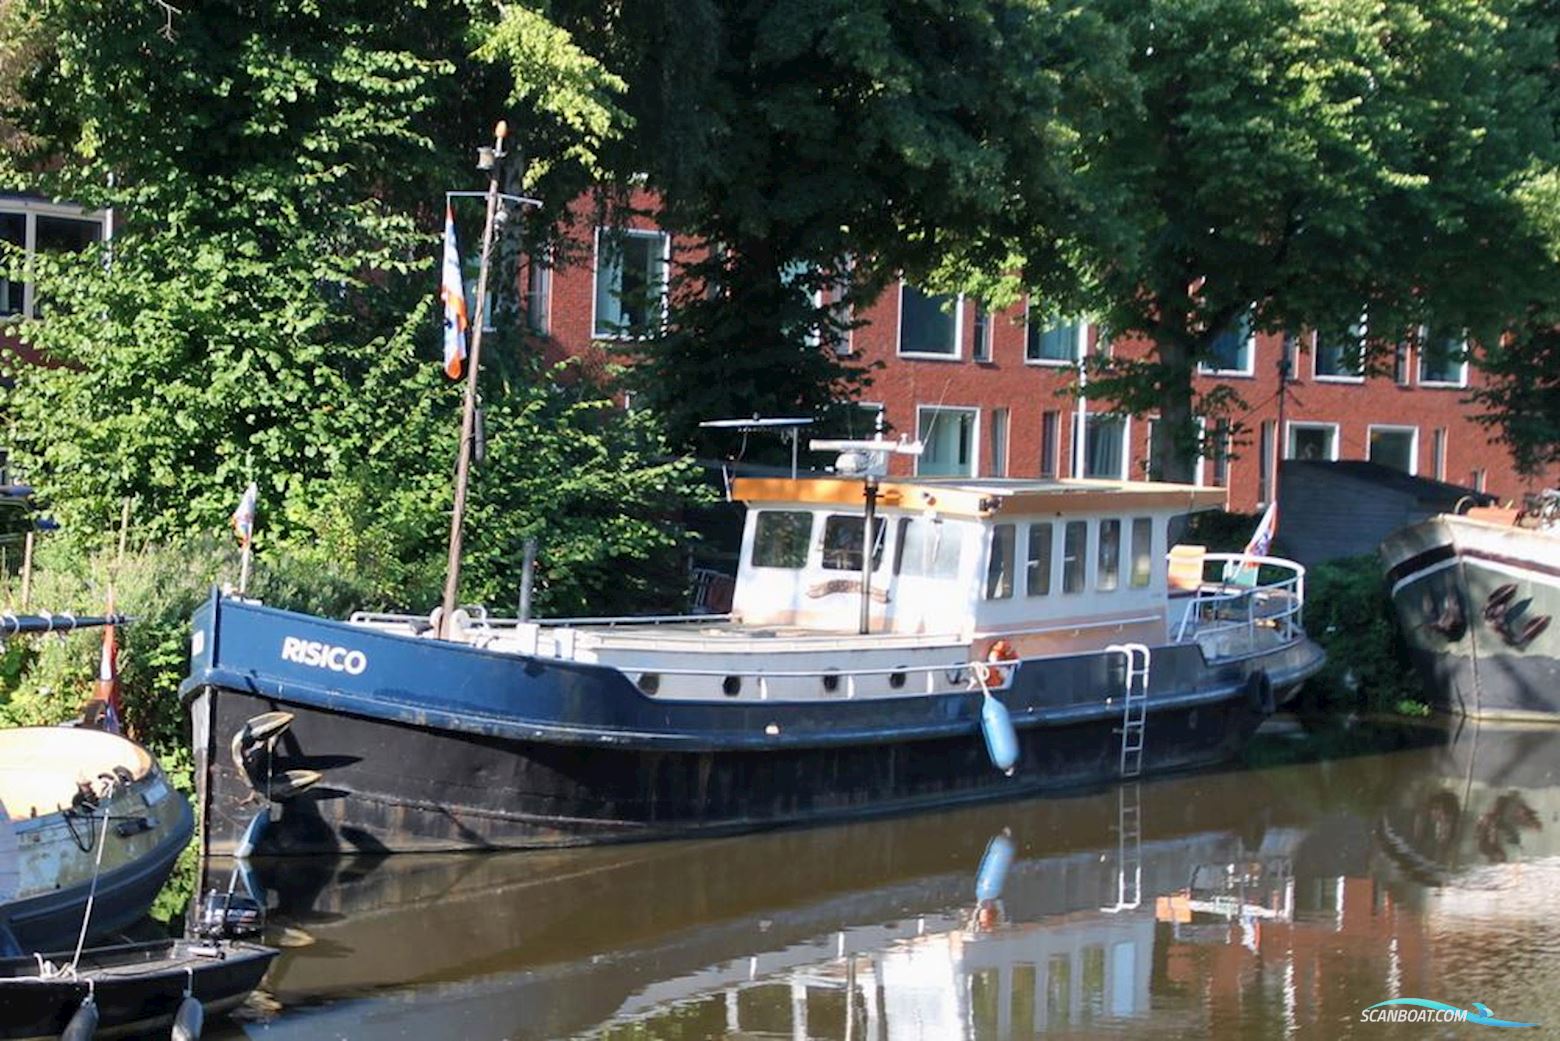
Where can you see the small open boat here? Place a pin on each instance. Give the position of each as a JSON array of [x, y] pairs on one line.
[[77, 803], [129, 989]]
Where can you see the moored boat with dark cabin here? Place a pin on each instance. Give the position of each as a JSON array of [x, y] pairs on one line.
[[999, 638]]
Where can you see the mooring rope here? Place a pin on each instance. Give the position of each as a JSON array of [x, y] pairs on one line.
[[86, 917]]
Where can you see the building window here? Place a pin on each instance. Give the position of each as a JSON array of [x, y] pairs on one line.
[[999, 442], [1438, 453], [630, 282], [1312, 441], [1037, 570], [1341, 357], [1476, 479], [981, 344], [1397, 447], [1051, 341], [1443, 360], [1050, 442], [538, 295], [1400, 367], [1265, 439], [948, 442], [1142, 551], [999, 572], [1109, 573], [1075, 538], [1105, 447], [929, 323], [40, 227], [1233, 351], [1219, 450]]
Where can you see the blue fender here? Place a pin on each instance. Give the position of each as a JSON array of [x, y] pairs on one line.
[[994, 866], [1001, 739]]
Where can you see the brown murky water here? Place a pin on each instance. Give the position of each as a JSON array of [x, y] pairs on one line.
[[1269, 902]]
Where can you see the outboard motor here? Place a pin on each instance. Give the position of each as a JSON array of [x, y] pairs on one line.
[[226, 916]]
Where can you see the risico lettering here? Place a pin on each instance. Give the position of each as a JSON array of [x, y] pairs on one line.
[[324, 656]]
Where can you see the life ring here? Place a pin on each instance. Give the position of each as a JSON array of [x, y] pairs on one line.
[[1259, 693], [999, 651]]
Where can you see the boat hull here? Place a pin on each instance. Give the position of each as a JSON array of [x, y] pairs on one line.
[[1465, 591], [473, 750], [137, 987], [57, 856]]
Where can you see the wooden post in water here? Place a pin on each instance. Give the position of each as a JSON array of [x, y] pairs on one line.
[[474, 363]]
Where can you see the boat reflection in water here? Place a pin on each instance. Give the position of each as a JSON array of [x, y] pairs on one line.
[[1269, 903]]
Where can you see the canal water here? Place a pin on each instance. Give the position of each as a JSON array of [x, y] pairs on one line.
[[1255, 902]]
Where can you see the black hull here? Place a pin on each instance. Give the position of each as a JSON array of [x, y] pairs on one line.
[[394, 787], [427, 745], [137, 988]]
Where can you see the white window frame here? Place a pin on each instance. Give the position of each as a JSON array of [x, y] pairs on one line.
[[540, 262], [958, 328], [1148, 450], [1001, 425], [1419, 364], [1250, 371], [1438, 452], [1413, 449], [31, 210], [595, 277], [1080, 341], [1081, 421], [975, 432], [1316, 357], [982, 340], [1291, 425]]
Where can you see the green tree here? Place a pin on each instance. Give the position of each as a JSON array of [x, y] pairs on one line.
[[1298, 164], [814, 152], [265, 307]]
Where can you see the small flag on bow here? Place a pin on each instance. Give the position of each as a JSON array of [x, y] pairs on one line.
[[244, 516], [452, 290], [108, 678]]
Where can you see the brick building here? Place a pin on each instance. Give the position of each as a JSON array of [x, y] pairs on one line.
[[987, 393]]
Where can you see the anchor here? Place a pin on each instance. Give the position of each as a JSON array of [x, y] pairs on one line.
[[253, 747]]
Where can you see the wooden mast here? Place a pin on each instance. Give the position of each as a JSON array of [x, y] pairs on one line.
[[492, 162]]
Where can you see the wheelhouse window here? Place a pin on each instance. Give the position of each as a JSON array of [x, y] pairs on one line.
[[929, 323], [1233, 351], [780, 538], [630, 282], [948, 437], [1142, 551], [842, 542], [1108, 577], [999, 570], [929, 548], [1050, 340], [1075, 541], [1037, 568]]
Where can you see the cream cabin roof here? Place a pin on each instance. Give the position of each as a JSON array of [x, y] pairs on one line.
[[983, 498]]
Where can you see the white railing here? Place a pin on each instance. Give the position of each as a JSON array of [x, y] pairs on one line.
[[1225, 609], [479, 619]]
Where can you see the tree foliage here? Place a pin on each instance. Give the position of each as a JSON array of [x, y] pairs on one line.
[[1307, 163], [814, 152], [265, 306]]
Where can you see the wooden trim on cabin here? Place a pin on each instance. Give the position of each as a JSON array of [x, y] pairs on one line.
[[1067, 497]]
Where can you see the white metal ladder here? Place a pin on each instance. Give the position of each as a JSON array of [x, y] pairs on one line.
[[1134, 706], [1129, 849]]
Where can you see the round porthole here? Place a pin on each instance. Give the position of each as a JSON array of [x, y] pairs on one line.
[[896, 680], [831, 682], [731, 685], [650, 682]]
